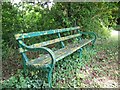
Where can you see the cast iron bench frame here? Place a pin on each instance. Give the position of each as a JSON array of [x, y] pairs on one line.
[[41, 46]]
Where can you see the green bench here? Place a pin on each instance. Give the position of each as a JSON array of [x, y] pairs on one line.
[[49, 59]]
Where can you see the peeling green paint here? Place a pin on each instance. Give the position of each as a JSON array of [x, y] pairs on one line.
[[33, 34]]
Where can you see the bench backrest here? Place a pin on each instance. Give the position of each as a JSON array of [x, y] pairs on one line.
[[19, 37]]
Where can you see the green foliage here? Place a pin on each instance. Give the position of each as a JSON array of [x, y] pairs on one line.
[[19, 81], [89, 16], [9, 19], [8, 51]]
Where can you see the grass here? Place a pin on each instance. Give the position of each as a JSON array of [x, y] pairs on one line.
[[98, 68]]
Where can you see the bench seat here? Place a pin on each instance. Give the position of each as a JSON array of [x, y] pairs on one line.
[[60, 54]]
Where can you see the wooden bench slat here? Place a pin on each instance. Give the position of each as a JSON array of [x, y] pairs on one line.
[[34, 34], [60, 54], [70, 49], [54, 40]]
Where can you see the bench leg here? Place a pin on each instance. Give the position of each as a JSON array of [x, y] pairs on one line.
[[50, 77], [24, 68], [93, 42], [80, 55]]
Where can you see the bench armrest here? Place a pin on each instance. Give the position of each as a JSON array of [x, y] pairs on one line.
[[91, 33], [49, 51]]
